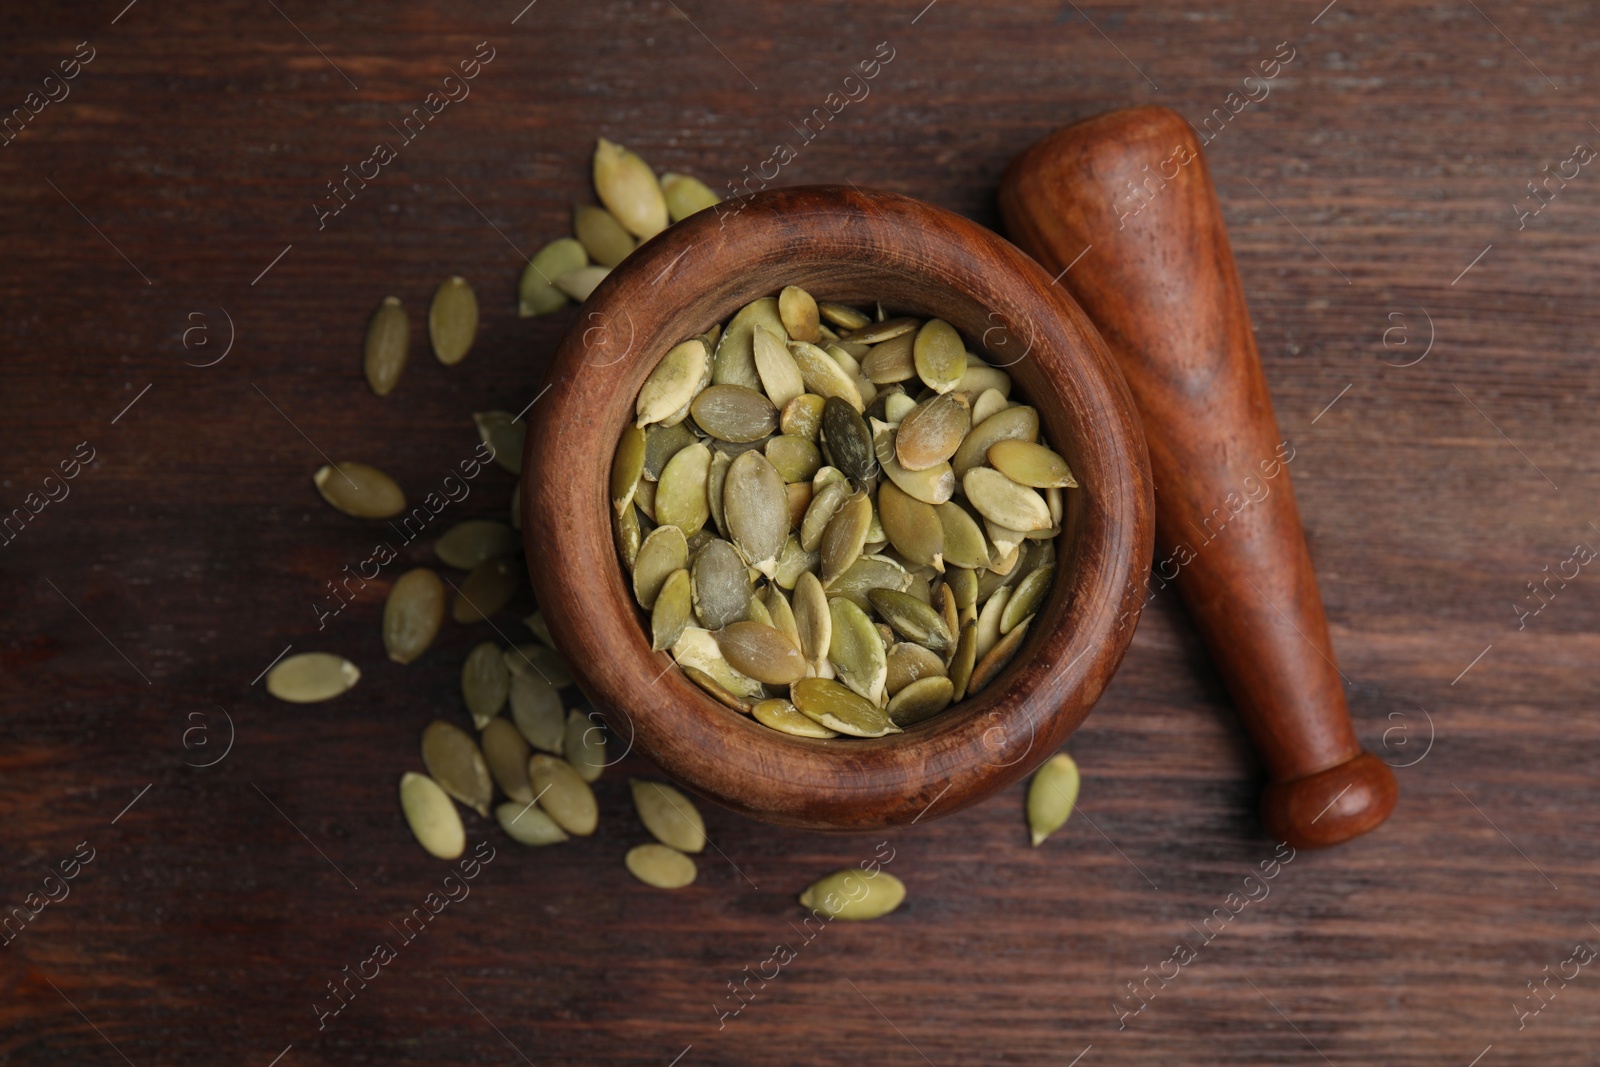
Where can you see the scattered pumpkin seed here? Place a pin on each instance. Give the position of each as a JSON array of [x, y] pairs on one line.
[[629, 189], [488, 588], [686, 195], [670, 816], [601, 235], [585, 745], [536, 292], [412, 614], [311, 677], [660, 867], [854, 894], [485, 683], [564, 796], [453, 760], [469, 543], [453, 320], [506, 754], [541, 660], [360, 491], [536, 712], [504, 436], [433, 819], [387, 345], [526, 824], [839, 709], [1051, 796], [580, 284]]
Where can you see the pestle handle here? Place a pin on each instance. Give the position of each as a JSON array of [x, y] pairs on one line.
[[1159, 281]]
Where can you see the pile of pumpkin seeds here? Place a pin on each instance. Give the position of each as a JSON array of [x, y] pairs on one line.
[[839, 523]]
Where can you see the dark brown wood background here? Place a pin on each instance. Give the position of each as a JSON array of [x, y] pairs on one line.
[[190, 553]]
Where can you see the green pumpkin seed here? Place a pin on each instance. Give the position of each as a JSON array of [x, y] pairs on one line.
[[673, 383], [1051, 796], [932, 432], [964, 543], [922, 699], [1006, 542], [793, 562], [580, 284], [1020, 423], [912, 619], [469, 543], [1057, 502], [453, 320], [412, 614], [432, 817], [913, 527], [980, 378], [798, 310], [813, 620], [601, 235], [716, 484], [536, 712], [843, 316], [660, 867], [453, 760], [629, 190], [672, 610], [670, 816], [564, 796], [844, 536], [626, 528], [716, 690], [848, 442], [825, 504], [311, 677], [661, 443], [856, 651], [1004, 502], [585, 745], [1025, 598], [720, 585], [387, 345], [506, 754], [963, 585], [697, 648], [761, 652], [839, 709], [627, 466], [780, 375], [360, 491], [782, 613], [932, 486], [488, 588], [854, 895], [802, 416], [735, 362], [885, 330], [686, 195], [823, 375], [504, 436], [681, 498], [758, 611], [527, 825], [891, 361], [989, 619], [964, 660], [866, 574], [795, 458], [756, 507], [939, 355], [662, 553], [536, 292], [781, 715], [541, 660], [847, 361], [989, 402], [734, 413], [1027, 463], [907, 663], [485, 683], [995, 660]]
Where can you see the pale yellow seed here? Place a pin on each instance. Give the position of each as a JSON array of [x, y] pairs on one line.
[[854, 894], [432, 817], [488, 588], [564, 795], [360, 491], [1004, 502], [504, 435], [412, 614], [1028, 463], [506, 753], [454, 761], [686, 195], [681, 499], [469, 543], [527, 825], [585, 746], [670, 816], [453, 320], [311, 677], [780, 375], [940, 356], [1051, 796], [798, 309], [660, 867], [580, 284], [781, 715], [673, 383], [485, 683], [387, 345], [536, 292], [601, 235], [629, 190]]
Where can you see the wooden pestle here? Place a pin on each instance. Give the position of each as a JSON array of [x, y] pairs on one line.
[[1130, 194]]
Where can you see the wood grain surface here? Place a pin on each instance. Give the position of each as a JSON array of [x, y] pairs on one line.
[[1371, 196]]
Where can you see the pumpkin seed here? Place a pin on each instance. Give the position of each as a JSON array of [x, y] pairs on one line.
[[661, 443], [913, 527], [1006, 542], [387, 345], [506, 753], [844, 536], [793, 562], [823, 376], [469, 543], [670, 816], [412, 614], [716, 483], [662, 553], [485, 682], [922, 699], [734, 413], [964, 543], [813, 620], [488, 588], [907, 663], [311, 677], [848, 441], [995, 660], [720, 585], [843, 316], [660, 867], [891, 361], [756, 506], [685, 195], [856, 651], [799, 494], [939, 355], [627, 466], [585, 745], [716, 690], [798, 310], [504, 436], [432, 817], [781, 613], [681, 499], [1004, 502], [673, 383], [453, 760], [963, 585], [540, 660], [884, 330], [781, 715], [854, 895], [802, 416], [626, 528], [866, 574], [536, 292], [698, 649], [1056, 500], [932, 432], [536, 712], [1020, 423], [671, 611], [825, 504], [601, 235], [912, 619], [932, 486], [980, 378], [453, 320], [580, 284], [564, 796], [735, 359], [780, 375], [527, 825], [1025, 598], [761, 652], [964, 660], [989, 620], [360, 491], [629, 190], [846, 360], [839, 709], [1027, 463], [1051, 796], [989, 402]]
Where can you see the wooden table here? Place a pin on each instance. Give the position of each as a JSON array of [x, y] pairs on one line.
[[167, 205]]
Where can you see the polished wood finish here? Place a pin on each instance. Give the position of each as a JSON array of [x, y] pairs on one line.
[[1129, 193], [852, 246]]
